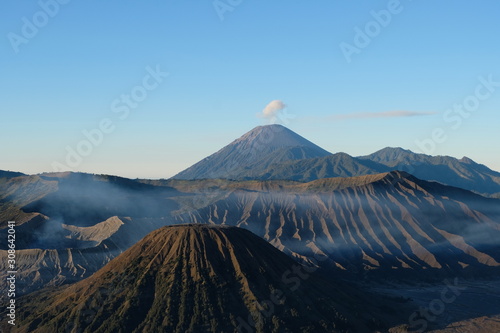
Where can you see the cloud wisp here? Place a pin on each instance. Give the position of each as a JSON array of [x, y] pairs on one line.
[[384, 114], [272, 109]]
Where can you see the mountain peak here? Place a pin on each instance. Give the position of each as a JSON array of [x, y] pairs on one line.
[[398, 150], [467, 160], [389, 154], [253, 153], [197, 278], [273, 136]]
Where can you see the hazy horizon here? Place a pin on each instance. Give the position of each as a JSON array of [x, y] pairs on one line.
[[208, 154]]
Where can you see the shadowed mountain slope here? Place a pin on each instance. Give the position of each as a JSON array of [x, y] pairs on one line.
[[385, 221], [199, 278], [275, 152], [336, 165], [463, 173], [390, 221], [10, 174], [69, 225]]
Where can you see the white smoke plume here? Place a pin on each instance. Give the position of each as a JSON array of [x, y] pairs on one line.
[[272, 109]]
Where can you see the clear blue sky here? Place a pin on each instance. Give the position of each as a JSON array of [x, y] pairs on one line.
[[421, 61]]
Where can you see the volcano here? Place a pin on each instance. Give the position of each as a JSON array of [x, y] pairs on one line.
[[199, 278], [250, 155]]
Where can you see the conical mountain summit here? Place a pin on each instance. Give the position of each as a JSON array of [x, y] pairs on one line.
[[253, 153], [197, 278]]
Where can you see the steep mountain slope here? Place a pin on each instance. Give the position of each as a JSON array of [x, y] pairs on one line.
[[464, 173], [389, 155], [10, 174], [20, 191], [88, 250], [390, 221], [252, 153], [90, 199], [336, 165], [42, 205], [275, 152], [199, 278], [68, 225]]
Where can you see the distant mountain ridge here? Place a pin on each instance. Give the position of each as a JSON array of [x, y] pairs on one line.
[[388, 155], [10, 174], [274, 152], [335, 165], [463, 173]]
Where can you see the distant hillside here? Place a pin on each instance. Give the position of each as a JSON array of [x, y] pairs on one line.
[[274, 152], [463, 173], [336, 165], [10, 174]]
